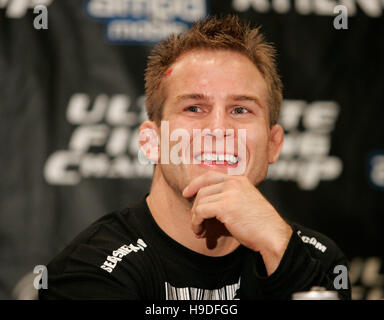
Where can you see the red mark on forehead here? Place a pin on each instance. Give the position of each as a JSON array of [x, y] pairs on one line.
[[168, 72]]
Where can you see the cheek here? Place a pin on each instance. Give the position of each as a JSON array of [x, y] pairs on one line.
[[257, 144], [177, 141]]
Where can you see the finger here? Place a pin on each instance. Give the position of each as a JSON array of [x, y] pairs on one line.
[[198, 225], [208, 199], [208, 191], [209, 178], [203, 212], [198, 228]]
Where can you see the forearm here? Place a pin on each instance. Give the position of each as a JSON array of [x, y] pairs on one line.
[[301, 267]]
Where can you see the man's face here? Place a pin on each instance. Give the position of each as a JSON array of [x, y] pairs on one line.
[[218, 90]]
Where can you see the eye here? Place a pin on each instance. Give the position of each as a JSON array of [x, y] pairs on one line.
[[239, 110], [194, 109]]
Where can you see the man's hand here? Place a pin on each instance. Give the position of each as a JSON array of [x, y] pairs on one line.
[[245, 213]]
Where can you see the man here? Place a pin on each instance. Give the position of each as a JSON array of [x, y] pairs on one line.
[[204, 231]]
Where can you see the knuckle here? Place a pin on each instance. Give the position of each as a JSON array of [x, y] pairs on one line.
[[197, 199], [224, 217], [199, 211]]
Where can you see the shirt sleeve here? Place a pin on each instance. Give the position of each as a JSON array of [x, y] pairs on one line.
[[76, 274], [309, 260], [85, 286]]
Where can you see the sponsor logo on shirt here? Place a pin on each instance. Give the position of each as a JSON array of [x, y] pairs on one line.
[[121, 252], [313, 241]]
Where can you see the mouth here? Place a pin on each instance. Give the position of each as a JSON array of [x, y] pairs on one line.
[[214, 159]]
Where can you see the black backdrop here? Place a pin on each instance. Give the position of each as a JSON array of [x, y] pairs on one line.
[[71, 100]]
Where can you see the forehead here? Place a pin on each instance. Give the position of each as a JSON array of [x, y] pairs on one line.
[[215, 73]]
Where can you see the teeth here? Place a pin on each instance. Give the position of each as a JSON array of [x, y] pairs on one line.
[[232, 159], [217, 157]]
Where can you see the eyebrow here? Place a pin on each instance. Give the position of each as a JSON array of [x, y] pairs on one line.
[[254, 99], [234, 97], [193, 96]]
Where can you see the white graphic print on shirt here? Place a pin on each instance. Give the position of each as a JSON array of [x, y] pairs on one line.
[[225, 293]]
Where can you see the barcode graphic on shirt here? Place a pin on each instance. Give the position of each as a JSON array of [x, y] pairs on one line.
[[189, 293]]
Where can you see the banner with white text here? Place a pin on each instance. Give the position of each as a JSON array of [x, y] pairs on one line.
[[72, 99]]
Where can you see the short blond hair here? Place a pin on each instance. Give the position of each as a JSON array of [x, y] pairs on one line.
[[217, 33]]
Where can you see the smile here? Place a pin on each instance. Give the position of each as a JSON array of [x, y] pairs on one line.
[[213, 157]]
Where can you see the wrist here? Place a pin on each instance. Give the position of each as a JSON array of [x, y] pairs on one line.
[[275, 246]]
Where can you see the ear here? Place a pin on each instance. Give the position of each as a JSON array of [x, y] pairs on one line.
[[149, 142], [276, 140]]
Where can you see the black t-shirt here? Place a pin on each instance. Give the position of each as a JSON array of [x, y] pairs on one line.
[[125, 255]]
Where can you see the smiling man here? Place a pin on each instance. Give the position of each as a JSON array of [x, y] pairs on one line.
[[204, 231]]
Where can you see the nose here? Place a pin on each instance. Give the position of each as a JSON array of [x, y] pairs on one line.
[[218, 123]]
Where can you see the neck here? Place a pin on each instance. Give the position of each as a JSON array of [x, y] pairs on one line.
[[172, 213]]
